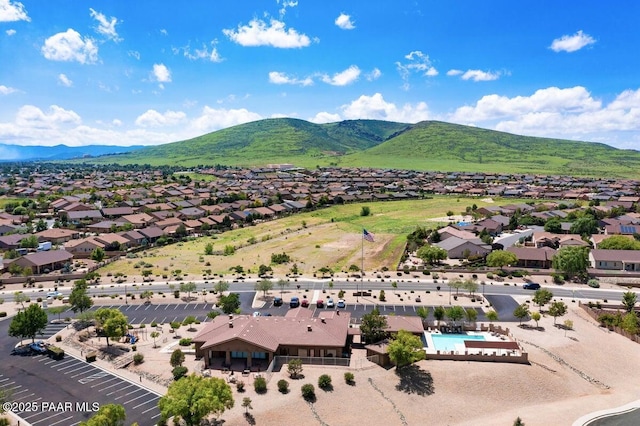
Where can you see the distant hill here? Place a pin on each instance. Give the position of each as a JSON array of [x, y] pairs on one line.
[[428, 145], [58, 152]]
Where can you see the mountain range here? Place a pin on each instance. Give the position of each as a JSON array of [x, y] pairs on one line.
[[58, 152]]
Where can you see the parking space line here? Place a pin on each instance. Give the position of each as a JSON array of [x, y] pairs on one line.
[[110, 386], [129, 393], [7, 384], [195, 307], [51, 424], [79, 374], [157, 307], [157, 415], [127, 387], [142, 322], [167, 307], [66, 361], [128, 307], [106, 381], [68, 366], [152, 408], [132, 320], [185, 306], [175, 307], [138, 397], [4, 380], [138, 307], [35, 413], [13, 394], [146, 402], [164, 320]]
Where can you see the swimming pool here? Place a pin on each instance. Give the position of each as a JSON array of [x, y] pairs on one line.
[[452, 342]]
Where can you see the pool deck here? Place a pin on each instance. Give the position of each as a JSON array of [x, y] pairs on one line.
[[460, 347]]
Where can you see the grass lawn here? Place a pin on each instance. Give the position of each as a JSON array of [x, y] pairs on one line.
[[330, 237]]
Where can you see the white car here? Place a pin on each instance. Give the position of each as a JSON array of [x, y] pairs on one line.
[[256, 314], [341, 303], [330, 303]]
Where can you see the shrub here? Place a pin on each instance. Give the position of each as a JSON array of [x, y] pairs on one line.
[[154, 324], [138, 359], [593, 283], [324, 381], [341, 294], [283, 386], [185, 341], [91, 357], [382, 297], [240, 386], [308, 392], [179, 372], [349, 378], [260, 385], [3, 314], [557, 278], [58, 338]]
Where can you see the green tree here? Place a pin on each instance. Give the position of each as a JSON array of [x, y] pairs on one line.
[[455, 313], [57, 310], [107, 415], [282, 284], [492, 316], [264, 270], [365, 211], [553, 225], [154, 335], [536, 317], [208, 249], [221, 286], [193, 398], [630, 323], [557, 309], [501, 258], [177, 358], [431, 254], [521, 312], [439, 313], [189, 320], [294, 368], [114, 323], [246, 404], [619, 242], [373, 326], [79, 298], [471, 315], [518, 422], [423, 312], [98, 254], [542, 297], [586, 225], [28, 322], [229, 303], [41, 225], [188, 288], [405, 349], [264, 286], [471, 286], [572, 261], [629, 300], [20, 297], [29, 242]]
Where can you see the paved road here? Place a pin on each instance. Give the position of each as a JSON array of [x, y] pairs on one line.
[[49, 392]]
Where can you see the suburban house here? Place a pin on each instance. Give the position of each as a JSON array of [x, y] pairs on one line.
[[549, 239], [615, 260], [458, 248], [256, 340], [533, 257], [43, 260]]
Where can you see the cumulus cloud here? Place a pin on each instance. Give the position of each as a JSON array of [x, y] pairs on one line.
[[106, 27], [375, 107], [70, 46], [286, 4], [64, 80], [4, 90], [203, 53], [454, 72], [325, 117], [374, 74], [214, 119], [33, 117], [416, 62], [276, 77], [344, 21], [153, 118], [343, 78], [10, 32], [572, 43], [11, 11], [274, 34], [475, 75], [161, 73]]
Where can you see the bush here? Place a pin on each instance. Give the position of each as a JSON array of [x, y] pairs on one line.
[[58, 338], [240, 386], [324, 381], [283, 386], [260, 385], [308, 392], [382, 297], [489, 276], [138, 359], [557, 278], [349, 378], [3, 314], [185, 341], [341, 294], [179, 372], [593, 283], [154, 324], [134, 348], [91, 357]]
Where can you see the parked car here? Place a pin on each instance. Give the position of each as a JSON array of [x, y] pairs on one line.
[[531, 286], [304, 303], [295, 302], [320, 303], [330, 303], [277, 301], [21, 350], [341, 303], [256, 314]]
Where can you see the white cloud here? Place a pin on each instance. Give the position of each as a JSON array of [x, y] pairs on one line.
[[343, 78], [33, 117], [204, 53], [164, 32], [161, 73], [285, 5], [134, 54], [4, 90], [479, 75], [325, 117], [116, 122], [10, 32], [258, 33], [12, 11], [375, 107], [106, 27], [70, 46], [153, 118], [416, 62], [64, 80], [454, 72], [344, 21], [572, 43], [374, 74], [276, 77], [214, 119]]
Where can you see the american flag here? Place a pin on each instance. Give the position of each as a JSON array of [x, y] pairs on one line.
[[367, 236]]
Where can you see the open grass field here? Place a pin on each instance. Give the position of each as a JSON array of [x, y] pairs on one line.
[[331, 237], [4, 201]]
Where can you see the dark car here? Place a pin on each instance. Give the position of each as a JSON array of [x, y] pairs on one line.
[[320, 303], [531, 286], [295, 302], [277, 301], [304, 303]]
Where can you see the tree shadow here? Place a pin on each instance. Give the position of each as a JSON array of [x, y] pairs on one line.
[[250, 419], [327, 388], [413, 379]]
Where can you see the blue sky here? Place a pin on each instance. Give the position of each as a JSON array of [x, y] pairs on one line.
[[124, 72]]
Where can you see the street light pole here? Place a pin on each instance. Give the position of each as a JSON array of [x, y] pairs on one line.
[[125, 295], [449, 294]]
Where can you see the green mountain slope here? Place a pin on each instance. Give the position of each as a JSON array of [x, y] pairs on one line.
[[429, 145]]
